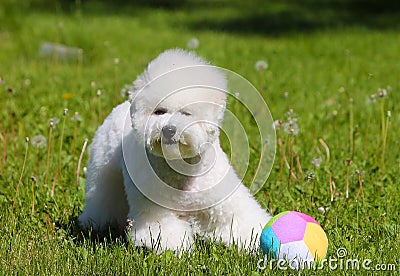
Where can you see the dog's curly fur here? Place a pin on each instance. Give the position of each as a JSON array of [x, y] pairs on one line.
[[171, 121]]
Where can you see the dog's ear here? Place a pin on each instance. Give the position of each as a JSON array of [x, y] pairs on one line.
[[132, 95], [138, 84], [141, 81]]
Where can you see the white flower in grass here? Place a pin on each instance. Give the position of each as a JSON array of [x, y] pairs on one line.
[[39, 141], [193, 43], [323, 209], [261, 65]]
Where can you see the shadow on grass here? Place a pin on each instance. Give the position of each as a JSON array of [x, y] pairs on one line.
[[290, 16], [265, 17], [73, 230]]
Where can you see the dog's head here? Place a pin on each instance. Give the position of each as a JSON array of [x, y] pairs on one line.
[[177, 105]]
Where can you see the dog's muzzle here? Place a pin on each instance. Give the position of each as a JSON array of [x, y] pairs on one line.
[[169, 134]]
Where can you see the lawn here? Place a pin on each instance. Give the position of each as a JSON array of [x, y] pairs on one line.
[[334, 66]]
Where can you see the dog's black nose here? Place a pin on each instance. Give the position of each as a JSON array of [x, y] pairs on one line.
[[169, 131]]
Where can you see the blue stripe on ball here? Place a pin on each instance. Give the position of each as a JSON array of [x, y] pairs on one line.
[[269, 243]]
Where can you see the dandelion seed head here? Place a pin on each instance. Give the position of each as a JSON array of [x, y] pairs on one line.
[[193, 43], [261, 65], [382, 93], [372, 98], [334, 113], [277, 124], [310, 176], [39, 141], [54, 121], [77, 117], [126, 91], [98, 93], [116, 61], [317, 161], [65, 111], [389, 113], [27, 139], [291, 115], [92, 84], [286, 95], [342, 89], [291, 127], [27, 82], [330, 102]]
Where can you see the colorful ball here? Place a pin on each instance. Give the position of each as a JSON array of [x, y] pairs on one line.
[[294, 236]]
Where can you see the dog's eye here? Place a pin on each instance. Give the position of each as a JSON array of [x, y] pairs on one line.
[[186, 113], [160, 111]]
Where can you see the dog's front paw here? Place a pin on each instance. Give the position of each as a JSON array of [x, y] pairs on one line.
[[167, 234]]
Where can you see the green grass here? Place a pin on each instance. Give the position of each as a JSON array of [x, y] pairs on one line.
[[329, 63]]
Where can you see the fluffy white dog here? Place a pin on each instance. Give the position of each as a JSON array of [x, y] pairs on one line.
[[156, 162]]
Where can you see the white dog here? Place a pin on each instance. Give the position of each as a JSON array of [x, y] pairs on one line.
[[156, 162]]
